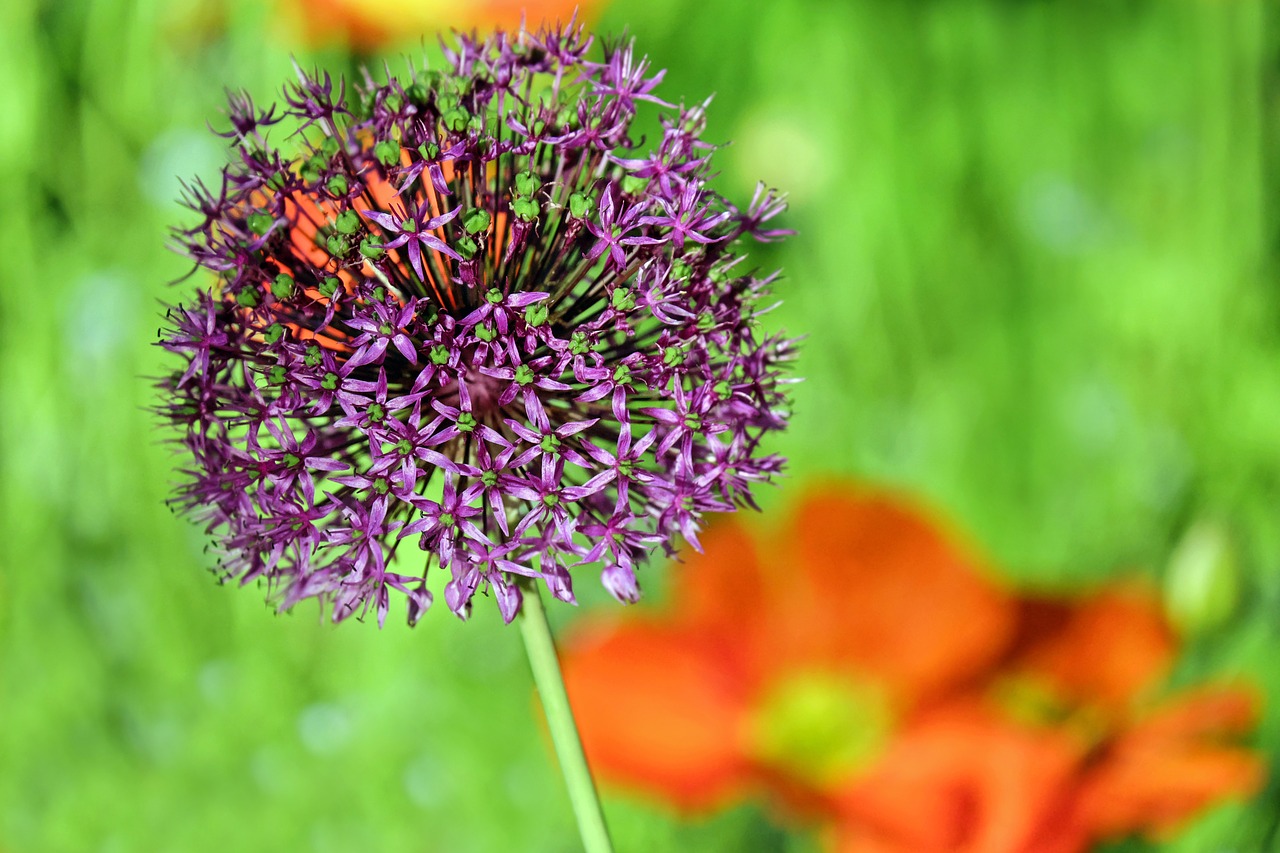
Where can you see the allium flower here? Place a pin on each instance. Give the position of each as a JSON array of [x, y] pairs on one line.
[[461, 322]]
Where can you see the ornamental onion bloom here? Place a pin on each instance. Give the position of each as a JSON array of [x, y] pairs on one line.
[[463, 321]]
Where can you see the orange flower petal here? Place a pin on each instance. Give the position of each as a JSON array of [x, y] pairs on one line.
[[721, 588], [1155, 792], [1164, 769], [509, 12], [369, 25], [872, 583], [1109, 649], [1205, 713], [962, 779], [853, 839], [657, 713]]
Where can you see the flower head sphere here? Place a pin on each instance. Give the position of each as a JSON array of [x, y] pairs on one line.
[[461, 312]]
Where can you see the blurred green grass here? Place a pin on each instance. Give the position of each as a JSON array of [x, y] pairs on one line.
[[1035, 267]]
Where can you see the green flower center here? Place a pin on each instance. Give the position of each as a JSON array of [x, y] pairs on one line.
[[820, 726], [536, 314], [622, 299]]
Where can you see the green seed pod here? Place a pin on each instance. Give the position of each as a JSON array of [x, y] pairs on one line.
[[418, 93], [348, 222], [259, 223], [466, 247], [282, 288], [475, 221], [527, 183], [337, 246], [455, 121], [525, 209], [581, 204], [388, 152], [622, 299], [536, 314]]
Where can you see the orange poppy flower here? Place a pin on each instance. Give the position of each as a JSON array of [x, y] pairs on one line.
[[368, 25], [861, 670], [787, 664], [1147, 764]]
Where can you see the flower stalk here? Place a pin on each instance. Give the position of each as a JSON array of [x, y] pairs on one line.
[[541, 647]]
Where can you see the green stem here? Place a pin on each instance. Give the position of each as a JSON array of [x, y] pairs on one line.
[[564, 733]]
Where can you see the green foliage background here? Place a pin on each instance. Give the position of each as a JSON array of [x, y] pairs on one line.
[[1036, 266]]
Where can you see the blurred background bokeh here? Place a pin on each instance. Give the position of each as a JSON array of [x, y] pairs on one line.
[[1035, 262]]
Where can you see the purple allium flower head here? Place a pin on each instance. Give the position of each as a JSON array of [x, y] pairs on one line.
[[462, 322]]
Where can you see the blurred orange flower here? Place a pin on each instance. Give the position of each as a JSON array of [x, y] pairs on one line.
[[863, 671], [368, 25]]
